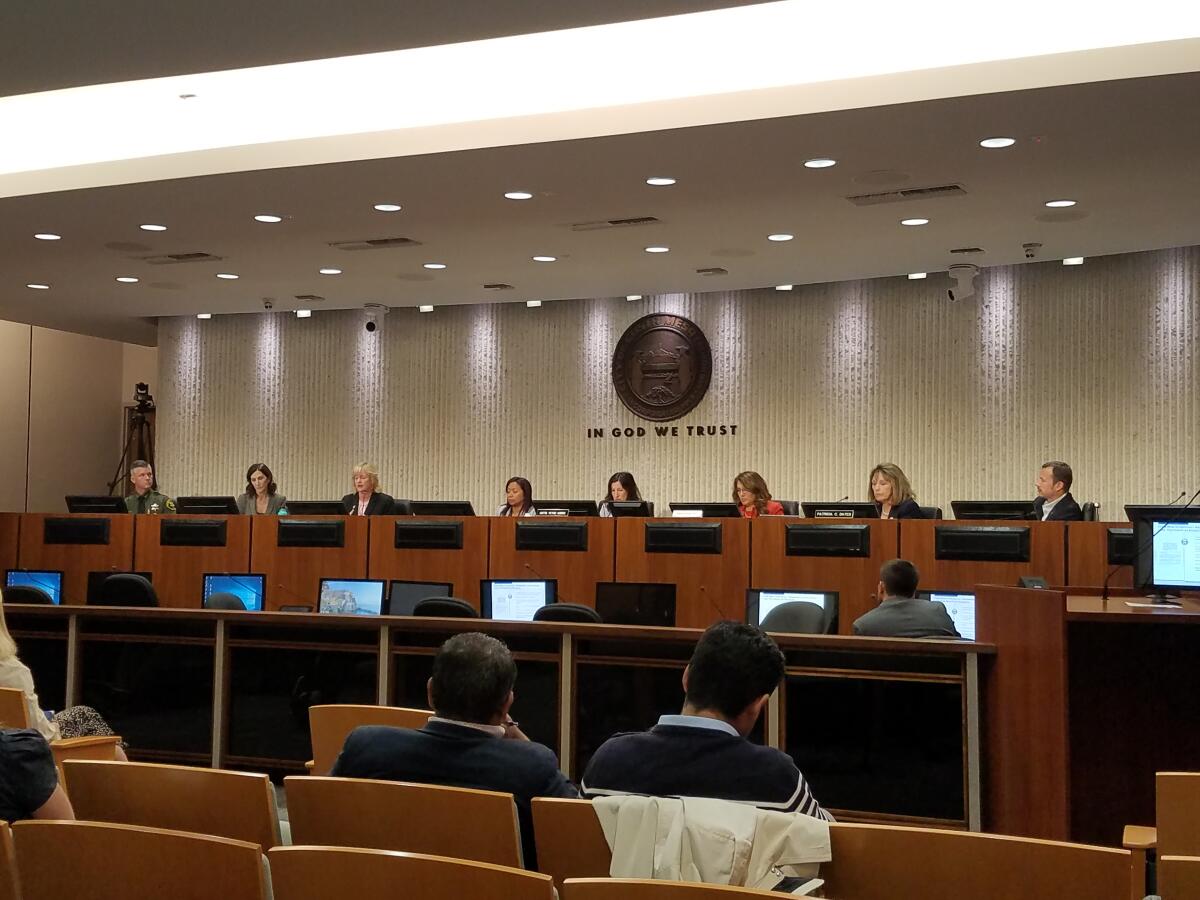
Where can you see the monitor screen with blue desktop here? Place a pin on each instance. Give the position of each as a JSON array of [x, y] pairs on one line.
[[515, 601], [248, 588], [961, 608], [760, 602], [48, 581], [351, 596]]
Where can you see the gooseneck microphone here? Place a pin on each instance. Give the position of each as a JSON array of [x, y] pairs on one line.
[[541, 577]]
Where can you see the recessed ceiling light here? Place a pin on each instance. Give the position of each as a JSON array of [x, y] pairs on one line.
[[633, 296], [996, 143], [658, 249], [152, 227], [267, 217], [914, 221], [915, 276], [1073, 261], [1059, 204], [203, 315], [48, 236], [388, 207], [782, 236], [37, 286], [783, 287], [424, 309], [821, 162], [329, 270], [660, 181], [518, 195], [304, 314], [127, 279], [533, 304], [435, 265], [545, 258], [228, 276]]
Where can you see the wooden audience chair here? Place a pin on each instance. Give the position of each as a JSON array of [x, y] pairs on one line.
[[321, 873], [641, 889], [1179, 877], [1176, 831], [13, 714], [100, 861], [570, 842], [236, 805], [397, 815], [331, 724], [8, 865]]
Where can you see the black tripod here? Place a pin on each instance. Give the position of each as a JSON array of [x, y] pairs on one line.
[[139, 443]]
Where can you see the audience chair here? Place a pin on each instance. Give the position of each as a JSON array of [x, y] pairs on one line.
[[567, 612], [223, 600], [236, 805], [397, 815], [445, 608], [644, 889], [13, 714], [931, 512], [1179, 877], [321, 873], [100, 861], [790, 507], [329, 725], [126, 589], [1176, 831], [797, 617], [8, 864], [570, 842], [27, 593]]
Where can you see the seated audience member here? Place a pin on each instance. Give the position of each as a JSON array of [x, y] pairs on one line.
[[261, 497], [889, 489], [470, 742], [518, 498], [621, 487], [902, 613], [144, 498], [752, 497], [1054, 502], [703, 752], [29, 787], [367, 499]]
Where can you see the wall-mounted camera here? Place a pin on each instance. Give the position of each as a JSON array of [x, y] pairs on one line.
[[963, 275], [268, 303], [1031, 249], [375, 316]]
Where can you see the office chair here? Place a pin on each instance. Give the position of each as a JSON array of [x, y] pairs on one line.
[[402, 508], [567, 612], [126, 589], [931, 512], [27, 593], [790, 507], [1090, 511], [798, 617], [223, 600], [445, 608]]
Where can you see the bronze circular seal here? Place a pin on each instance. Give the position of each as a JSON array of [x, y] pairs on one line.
[[662, 367]]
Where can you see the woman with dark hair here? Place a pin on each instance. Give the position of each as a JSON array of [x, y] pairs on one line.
[[752, 497], [621, 487], [518, 498], [260, 497]]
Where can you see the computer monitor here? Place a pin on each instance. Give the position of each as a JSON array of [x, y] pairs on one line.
[[566, 508], [515, 601], [316, 508], [760, 601], [961, 607], [442, 508], [992, 509], [90, 504], [351, 596], [816, 509], [636, 603], [49, 580], [633, 508], [96, 581], [705, 510], [207, 506], [403, 596], [1167, 550], [248, 587]]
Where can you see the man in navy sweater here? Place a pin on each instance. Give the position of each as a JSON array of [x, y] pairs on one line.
[[471, 742], [704, 752]]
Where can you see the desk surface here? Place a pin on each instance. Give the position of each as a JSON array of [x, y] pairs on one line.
[[1118, 611]]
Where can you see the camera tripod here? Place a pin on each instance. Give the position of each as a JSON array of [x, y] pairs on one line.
[[139, 444]]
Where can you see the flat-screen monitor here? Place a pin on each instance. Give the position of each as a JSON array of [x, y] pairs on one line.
[[48, 580], [760, 601], [637, 508], [207, 506], [992, 509], [442, 508], [403, 596], [706, 510], [351, 596], [90, 504], [248, 588], [96, 581], [816, 509], [961, 607], [515, 601], [1167, 549], [566, 508], [315, 508], [636, 603]]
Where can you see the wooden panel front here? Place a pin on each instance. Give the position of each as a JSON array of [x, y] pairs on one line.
[[854, 578], [10, 530], [179, 571], [577, 571], [1026, 748], [1047, 556], [76, 560], [1087, 556], [462, 568], [294, 573], [710, 587]]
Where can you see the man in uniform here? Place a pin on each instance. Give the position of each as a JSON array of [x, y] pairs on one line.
[[144, 499]]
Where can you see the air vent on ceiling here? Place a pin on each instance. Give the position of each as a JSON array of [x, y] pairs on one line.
[[497, 286], [967, 250], [613, 223], [712, 270], [173, 258], [921, 193], [310, 298], [375, 244]]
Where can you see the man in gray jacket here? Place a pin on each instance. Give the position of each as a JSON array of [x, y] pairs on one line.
[[902, 613]]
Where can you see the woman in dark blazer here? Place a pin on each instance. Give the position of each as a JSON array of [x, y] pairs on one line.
[[260, 497], [367, 499], [889, 489]]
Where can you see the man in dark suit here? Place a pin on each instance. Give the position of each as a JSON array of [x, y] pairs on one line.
[[1054, 502], [902, 613], [471, 742]]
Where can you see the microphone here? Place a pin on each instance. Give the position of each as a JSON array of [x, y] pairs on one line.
[[1177, 499], [542, 577], [1150, 540], [720, 612], [844, 499]]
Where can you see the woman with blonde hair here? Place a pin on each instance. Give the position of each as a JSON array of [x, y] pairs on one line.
[[367, 499], [888, 488], [752, 497]]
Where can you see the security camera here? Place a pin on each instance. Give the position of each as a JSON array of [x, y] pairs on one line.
[[375, 314], [268, 303], [1031, 249], [964, 281]]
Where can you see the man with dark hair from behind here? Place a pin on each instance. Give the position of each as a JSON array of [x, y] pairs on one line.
[[470, 742], [902, 613], [704, 752]]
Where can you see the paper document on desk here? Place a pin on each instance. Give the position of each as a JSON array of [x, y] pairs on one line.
[[1152, 604]]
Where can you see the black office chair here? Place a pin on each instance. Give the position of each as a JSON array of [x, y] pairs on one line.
[[126, 589], [402, 508], [1089, 511], [931, 512], [445, 608], [224, 600], [27, 593], [650, 508], [797, 617], [567, 612], [790, 507]]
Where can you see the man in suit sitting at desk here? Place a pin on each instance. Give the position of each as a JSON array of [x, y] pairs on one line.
[[902, 613], [1054, 502], [470, 742]]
